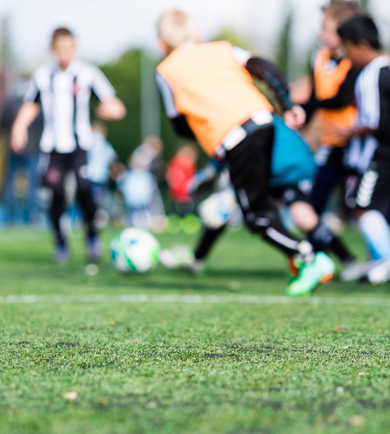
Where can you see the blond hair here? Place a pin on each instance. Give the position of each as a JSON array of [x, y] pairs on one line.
[[343, 10], [176, 28]]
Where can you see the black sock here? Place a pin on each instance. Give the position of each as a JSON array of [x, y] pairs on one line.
[[92, 231], [323, 239], [209, 237]]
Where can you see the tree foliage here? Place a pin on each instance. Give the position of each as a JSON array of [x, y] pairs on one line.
[[284, 47], [125, 75], [227, 34]]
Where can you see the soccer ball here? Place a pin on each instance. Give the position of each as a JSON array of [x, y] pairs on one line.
[[135, 251]]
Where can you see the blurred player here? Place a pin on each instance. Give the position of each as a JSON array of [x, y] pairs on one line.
[[369, 151], [293, 172], [180, 171], [26, 161], [101, 156], [332, 98], [208, 92], [139, 187], [63, 91]]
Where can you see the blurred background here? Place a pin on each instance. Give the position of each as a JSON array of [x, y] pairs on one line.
[[120, 37]]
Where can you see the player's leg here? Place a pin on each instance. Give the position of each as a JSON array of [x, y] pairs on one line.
[[183, 257], [249, 166], [53, 179], [87, 203], [330, 173], [373, 202], [320, 235], [214, 213]]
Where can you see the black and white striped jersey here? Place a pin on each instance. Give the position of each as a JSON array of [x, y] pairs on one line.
[[372, 93], [64, 96]]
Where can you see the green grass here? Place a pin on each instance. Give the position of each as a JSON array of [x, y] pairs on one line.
[[187, 368]]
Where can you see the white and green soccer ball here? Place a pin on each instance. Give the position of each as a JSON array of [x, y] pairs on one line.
[[135, 251]]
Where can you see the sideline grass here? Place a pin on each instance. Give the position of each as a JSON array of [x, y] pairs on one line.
[[187, 368]]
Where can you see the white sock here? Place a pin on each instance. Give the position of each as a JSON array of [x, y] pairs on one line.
[[376, 234]]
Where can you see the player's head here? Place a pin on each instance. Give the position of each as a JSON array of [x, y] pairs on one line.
[[335, 13], [63, 45], [188, 151], [360, 37], [176, 28], [154, 144]]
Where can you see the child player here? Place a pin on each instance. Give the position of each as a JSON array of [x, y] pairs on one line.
[[63, 90], [293, 171], [333, 81], [208, 92], [370, 146]]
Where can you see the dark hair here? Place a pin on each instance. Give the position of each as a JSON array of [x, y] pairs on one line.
[[361, 28], [61, 31]]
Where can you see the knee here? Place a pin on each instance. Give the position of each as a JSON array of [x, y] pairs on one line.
[[53, 180], [304, 216], [258, 223]]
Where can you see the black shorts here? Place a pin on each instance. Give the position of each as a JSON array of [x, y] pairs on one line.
[[373, 190], [249, 166], [56, 165], [303, 192], [327, 156]]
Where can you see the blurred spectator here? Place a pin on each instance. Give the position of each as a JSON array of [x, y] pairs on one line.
[[100, 158], [138, 185], [25, 162], [181, 169], [150, 151]]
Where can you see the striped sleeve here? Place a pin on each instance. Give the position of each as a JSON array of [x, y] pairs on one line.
[[101, 86], [167, 97], [32, 94]]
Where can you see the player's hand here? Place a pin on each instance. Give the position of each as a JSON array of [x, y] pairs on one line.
[[295, 118], [112, 110], [19, 139]]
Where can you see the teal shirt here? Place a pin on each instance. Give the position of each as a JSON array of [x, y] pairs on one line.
[[292, 159]]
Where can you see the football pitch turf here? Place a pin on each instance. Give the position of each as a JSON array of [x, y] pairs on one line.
[[170, 353]]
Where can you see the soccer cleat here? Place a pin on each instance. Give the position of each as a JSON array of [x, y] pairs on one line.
[[61, 253], [196, 266], [293, 266], [379, 272], [94, 249], [354, 271], [321, 270], [181, 257]]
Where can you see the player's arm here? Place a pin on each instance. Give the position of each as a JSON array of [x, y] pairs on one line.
[[112, 110], [19, 134], [344, 97], [178, 120], [265, 70], [110, 107], [212, 169], [181, 127], [26, 115], [376, 125]]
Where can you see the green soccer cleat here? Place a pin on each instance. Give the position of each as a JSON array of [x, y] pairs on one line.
[[321, 270]]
